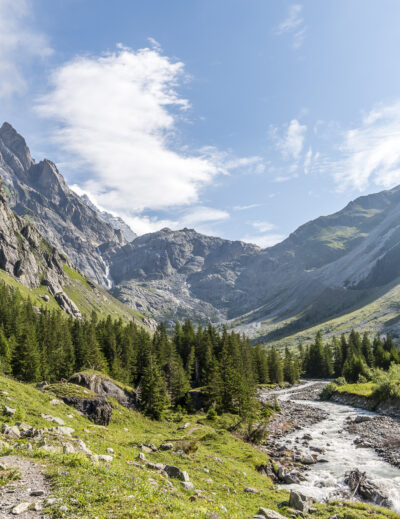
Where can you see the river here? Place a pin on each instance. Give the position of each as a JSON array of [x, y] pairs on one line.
[[325, 480]]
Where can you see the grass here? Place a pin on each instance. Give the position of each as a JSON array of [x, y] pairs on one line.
[[73, 274], [69, 390], [121, 489], [365, 389]]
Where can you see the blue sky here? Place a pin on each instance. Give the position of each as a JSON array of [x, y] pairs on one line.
[[240, 118]]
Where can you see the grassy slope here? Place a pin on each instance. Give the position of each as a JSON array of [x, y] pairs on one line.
[[86, 296], [121, 489], [380, 315]]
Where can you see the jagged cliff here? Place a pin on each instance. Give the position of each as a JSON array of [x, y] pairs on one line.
[[30, 259], [39, 192]]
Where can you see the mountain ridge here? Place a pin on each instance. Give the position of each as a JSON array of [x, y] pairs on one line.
[[324, 268]]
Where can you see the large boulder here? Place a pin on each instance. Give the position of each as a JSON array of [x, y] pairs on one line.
[[98, 409], [366, 489], [300, 502], [105, 387]]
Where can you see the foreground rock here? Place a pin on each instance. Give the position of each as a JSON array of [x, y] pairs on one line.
[[300, 502]]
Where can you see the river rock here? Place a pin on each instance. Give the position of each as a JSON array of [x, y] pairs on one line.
[[362, 418], [366, 489], [300, 501]]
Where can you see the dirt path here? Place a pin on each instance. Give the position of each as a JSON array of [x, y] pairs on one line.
[[23, 490]]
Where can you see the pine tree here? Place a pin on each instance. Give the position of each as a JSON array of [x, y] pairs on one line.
[[153, 390], [275, 367], [5, 353], [26, 361]]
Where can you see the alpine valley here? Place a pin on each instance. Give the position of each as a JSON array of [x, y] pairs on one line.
[[334, 273]]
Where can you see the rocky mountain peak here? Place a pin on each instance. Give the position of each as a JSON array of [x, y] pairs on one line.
[[16, 145], [46, 178]]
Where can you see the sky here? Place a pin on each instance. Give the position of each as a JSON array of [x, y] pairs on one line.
[[240, 118]]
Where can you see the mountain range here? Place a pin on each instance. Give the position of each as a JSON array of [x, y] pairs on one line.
[[335, 272]]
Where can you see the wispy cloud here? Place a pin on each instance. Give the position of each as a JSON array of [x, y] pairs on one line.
[[308, 160], [293, 25], [117, 114], [19, 45], [371, 151], [263, 226], [291, 143], [245, 207]]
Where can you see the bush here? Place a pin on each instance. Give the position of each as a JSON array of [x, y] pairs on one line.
[[212, 412], [340, 381], [388, 383], [328, 391]]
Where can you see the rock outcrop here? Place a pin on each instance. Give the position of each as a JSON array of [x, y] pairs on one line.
[[27, 256], [104, 387], [98, 409]]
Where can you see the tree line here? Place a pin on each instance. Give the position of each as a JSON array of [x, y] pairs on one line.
[[46, 345], [353, 357]]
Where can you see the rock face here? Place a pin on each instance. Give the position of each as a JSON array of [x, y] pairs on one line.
[[26, 255], [104, 387], [116, 222], [40, 191], [326, 266]]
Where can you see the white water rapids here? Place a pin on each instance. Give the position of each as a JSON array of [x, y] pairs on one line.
[[325, 480]]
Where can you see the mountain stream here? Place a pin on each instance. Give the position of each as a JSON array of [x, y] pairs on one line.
[[325, 480]]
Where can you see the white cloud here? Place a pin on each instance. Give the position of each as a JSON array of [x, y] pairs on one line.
[[371, 152], [19, 44], [293, 24], [117, 114], [291, 143], [263, 226], [266, 240]]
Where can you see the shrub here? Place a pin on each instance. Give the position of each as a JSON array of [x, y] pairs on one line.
[[212, 412], [328, 391], [388, 384]]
